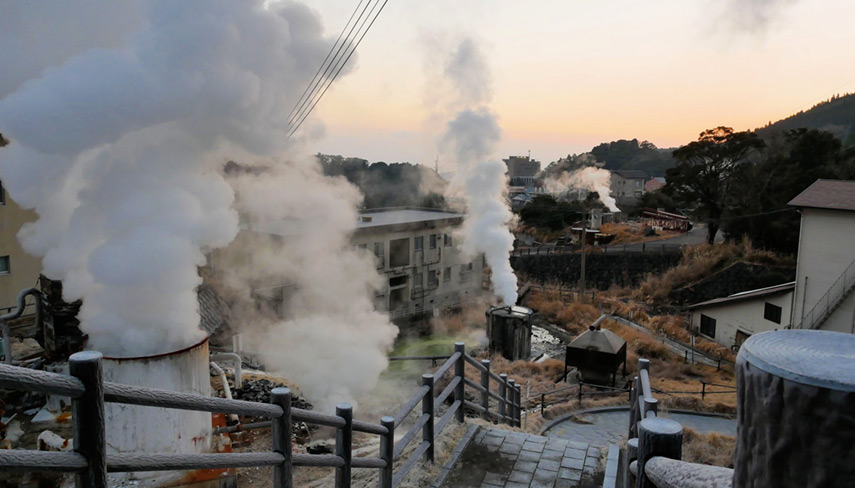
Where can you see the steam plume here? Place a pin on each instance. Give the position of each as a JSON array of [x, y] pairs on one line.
[[589, 178], [472, 135], [754, 16], [117, 148]]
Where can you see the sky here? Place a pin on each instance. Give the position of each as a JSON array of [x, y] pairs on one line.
[[568, 75]]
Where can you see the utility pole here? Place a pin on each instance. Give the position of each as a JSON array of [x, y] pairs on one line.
[[583, 238]]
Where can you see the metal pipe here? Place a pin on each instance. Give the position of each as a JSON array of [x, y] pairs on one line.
[[22, 299], [227, 391], [238, 362]]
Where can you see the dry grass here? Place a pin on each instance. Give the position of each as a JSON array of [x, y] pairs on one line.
[[712, 449], [631, 232]]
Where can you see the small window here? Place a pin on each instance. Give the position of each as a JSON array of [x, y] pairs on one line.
[[5, 265], [378, 254], [433, 241], [707, 326], [399, 252], [447, 241], [363, 246], [419, 243], [638, 183], [446, 274], [773, 313], [418, 279], [397, 281], [466, 267], [432, 278]]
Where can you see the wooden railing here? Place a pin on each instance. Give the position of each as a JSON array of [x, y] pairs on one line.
[[91, 462]]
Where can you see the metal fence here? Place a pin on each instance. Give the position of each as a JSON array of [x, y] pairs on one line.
[[91, 462], [643, 247]]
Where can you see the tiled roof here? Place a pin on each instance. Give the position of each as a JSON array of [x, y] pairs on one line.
[[830, 194], [630, 173]]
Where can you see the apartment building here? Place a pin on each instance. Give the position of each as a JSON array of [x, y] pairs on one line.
[[18, 270], [627, 186]]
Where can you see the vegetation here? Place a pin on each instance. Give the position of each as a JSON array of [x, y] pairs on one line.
[[544, 212], [834, 115], [630, 154]]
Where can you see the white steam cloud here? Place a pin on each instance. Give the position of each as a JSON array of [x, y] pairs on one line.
[[117, 149], [589, 178], [472, 135]]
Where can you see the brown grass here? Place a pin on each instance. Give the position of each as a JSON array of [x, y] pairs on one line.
[[712, 449], [628, 232]]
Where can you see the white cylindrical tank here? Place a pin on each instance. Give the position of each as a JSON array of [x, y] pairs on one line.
[[138, 429]]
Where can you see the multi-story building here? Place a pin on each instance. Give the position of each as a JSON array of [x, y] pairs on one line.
[[825, 267], [424, 270], [522, 170], [627, 186], [18, 270]]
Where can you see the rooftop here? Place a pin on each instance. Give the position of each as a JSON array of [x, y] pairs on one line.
[[630, 173], [395, 216], [830, 194], [745, 295]]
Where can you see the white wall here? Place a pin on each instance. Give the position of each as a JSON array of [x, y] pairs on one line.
[[825, 250], [745, 315]]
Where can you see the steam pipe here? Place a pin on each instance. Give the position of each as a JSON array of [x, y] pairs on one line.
[[234, 357], [596, 324], [227, 391], [22, 304]]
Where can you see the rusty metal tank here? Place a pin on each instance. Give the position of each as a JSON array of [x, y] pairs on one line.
[[138, 429], [509, 331]]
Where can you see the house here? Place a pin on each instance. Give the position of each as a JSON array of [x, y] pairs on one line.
[[627, 186], [18, 270], [425, 272], [654, 184], [825, 267], [733, 319], [522, 170]]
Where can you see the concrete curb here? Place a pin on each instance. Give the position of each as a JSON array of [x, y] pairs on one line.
[[467, 438], [566, 416]]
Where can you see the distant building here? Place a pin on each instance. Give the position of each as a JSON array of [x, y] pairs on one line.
[[627, 186], [654, 183], [825, 267], [522, 170], [18, 270], [733, 319], [424, 269]]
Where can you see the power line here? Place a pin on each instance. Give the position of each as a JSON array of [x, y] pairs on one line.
[[318, 81], [306, 115], [321, 67]]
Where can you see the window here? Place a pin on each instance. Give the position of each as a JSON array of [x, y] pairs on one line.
[[638, 183], [418, 279], [447, 241], [773, 313], [432, 278], [397, 281], [378, 254], [446, 274], [466, 267], [638, 194], [363, 246], [5, 267], [399, 252], [419, 243], [707, 326], [433, 241]]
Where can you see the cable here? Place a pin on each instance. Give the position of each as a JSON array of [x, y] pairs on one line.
[[300, 101], [339, 69]]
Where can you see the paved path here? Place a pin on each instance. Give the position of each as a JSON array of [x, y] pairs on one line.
[[610, 427], [500, 458]]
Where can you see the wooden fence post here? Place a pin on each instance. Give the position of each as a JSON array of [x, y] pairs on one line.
[[344, 444], [518, 405], [503, 392], [87, 412], [427, 408], [485, 395], [512, 387], [657, 437], [460, 372], [282, 474], [387, 451]]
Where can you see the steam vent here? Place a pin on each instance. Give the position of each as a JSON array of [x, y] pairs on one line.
[[509, 331], [597, 353]]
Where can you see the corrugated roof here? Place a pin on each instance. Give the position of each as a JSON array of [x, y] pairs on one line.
[[744, 295], [602, 340], [830, 194]]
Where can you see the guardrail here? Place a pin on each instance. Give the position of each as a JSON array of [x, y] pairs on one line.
[[654, 448], [640, 247], [91, 462]]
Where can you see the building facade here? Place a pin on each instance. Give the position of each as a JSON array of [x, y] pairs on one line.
[[522, 170], [731, 320], [825, 267], [424, 270], [18, 270], [627, 186]]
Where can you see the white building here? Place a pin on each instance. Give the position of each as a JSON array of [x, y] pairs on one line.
[[627, 186], [733, 319], [425, 271], [825, 270]]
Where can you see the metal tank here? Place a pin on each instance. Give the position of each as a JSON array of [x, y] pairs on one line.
[[509, 331], [137, 429]]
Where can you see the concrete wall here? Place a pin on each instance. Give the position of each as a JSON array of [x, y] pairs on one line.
[[743, 315], [403, 294], [602, 270], [624, 189], [23, 269], [825, 251]]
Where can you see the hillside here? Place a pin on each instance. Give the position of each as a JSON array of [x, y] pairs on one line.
[[836, 115]]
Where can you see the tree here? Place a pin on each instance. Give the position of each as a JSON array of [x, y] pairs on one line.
[[703, 176]]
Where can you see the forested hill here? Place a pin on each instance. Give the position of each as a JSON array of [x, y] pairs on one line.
[[630, 154], [836, 115]]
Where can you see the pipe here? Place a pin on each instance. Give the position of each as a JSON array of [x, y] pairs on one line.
[[227, 391], [236, 359], [22, 299], [596, 324]]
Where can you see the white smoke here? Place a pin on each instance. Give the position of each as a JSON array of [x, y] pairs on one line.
[[117, 150], [752, 16], [472, 135], [589, 179]]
